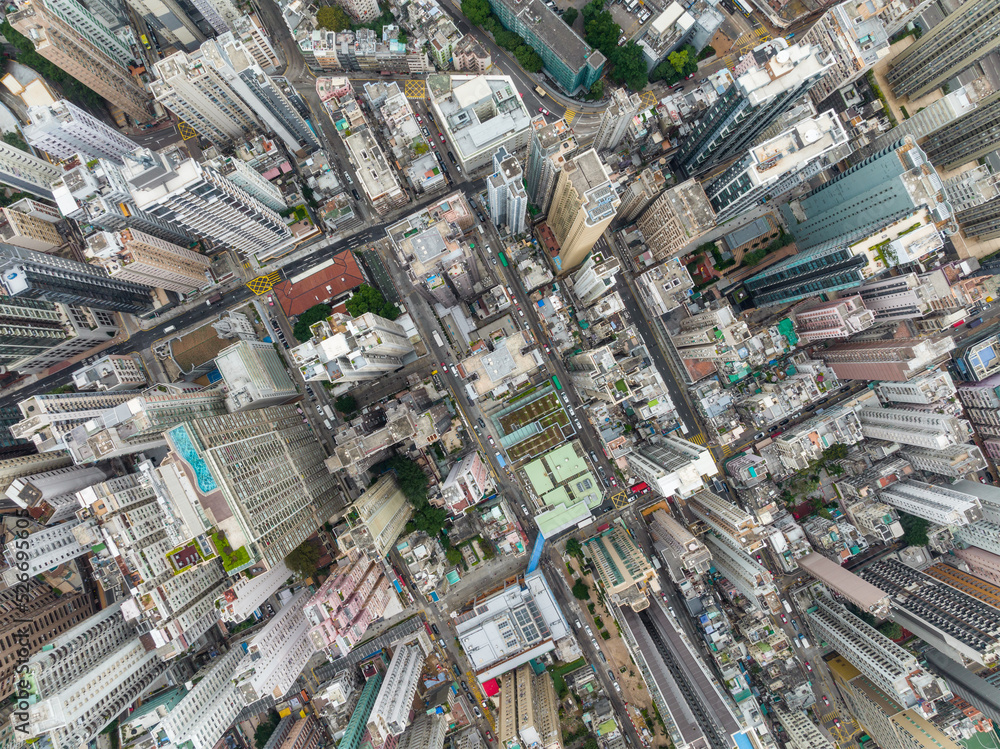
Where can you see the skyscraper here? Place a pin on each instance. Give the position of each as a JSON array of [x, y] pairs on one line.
[[912, 427], [583, 206], [197, 199], [254, 376], [676, 218], [243, 175], [615, 119], [970, 137], [937, 504], [776, 76], [207, 711], [35, 275], [64, 129], [642, 191], [551, 144], [263, 471], [133, 255], [529, 710], [964, 37], [26, 172], [954, 461], [93, 672], [95, 191], [391, 712], [508, 201], [382, 512], [89, 52], [846, 584], [981, 221], [896, 360], [36, 334], [31, 225]]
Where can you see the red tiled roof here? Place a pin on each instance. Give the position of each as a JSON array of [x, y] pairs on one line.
[[342, 275]]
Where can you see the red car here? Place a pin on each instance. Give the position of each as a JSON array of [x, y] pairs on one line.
[[442, 138], [543, 110], [614, 482], [810, 668], [489, 736], [783, 619], [826, 701]]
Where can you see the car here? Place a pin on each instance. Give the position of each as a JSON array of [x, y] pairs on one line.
[[458, 168], [611, 675], [783, 619], [419, 120], [441, 137], [524, 509], [465, 686], [431, 144], [478, 712], [614, 481], [795, 625], [808, 667], [481, 422], [483, 703], [622, 40], [689, 77], [593, 641], [836, 722], [482, 218], [982, 480], [489, 437], [454, 667], [547, 349], [760, 561], [789, 36], [426, 132], [578, 424], [489, 736], [493, 260], [617, 688], [434, 628], [270, 300], [759, 435], [444, 366], [355, 194], [520, 312], [600, 654], [826, 701], [590, 632]]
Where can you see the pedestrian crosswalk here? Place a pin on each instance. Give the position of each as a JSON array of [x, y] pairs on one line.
[[727, 450], [698, 439], [569, 116]]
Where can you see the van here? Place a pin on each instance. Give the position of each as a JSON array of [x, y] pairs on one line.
[[170, 329]]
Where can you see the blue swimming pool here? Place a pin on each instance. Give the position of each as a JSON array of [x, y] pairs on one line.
[[181, 441]]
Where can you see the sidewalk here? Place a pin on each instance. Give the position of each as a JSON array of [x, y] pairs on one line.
[[187, 306]]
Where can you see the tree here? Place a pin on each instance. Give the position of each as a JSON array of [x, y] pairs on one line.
[[265, 729], [891, 630], [333, 18], [309, 318], [477, 11], [346, 404], [369, 299], [574, 548], [302, 560], [601, 31], [13, 139], [413, 482], [570, 15], [590, 742], [454, 556], [528, 58], [678, 60], [596, 90], [630, 66], [580, 590], [835, 452], [914, 529]]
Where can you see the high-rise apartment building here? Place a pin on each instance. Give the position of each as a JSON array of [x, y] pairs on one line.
[[88, 51], [43, 549], [676, 219], [35, 275], [952, 621], [965, 36], [467, 483], [26, 465], [357, 726], [937, 504], [903, 297], [63, 129], [133, 255], [595, 278], [802, 732], [643, 190], [352, 597], [26, 172], [36, 334], [94, 191], [110, 373], [954, 461], [727, 519], [853, 34], [550, 146], [506, 196], [262, 473], [583, 206], [911, 427], [838, 318], [981, 563], [390, 714], [615, 119], [969, 137], [345, 349], [426, 732], [749, 577], [243, 175], [33, 228], [254, 376], [897, 360], [361, 10], [777, 166], [529, 710], [222, 15], [895, 670], [198, 200], [92, 673], [209, 708], [930, 387], [776, 75], [51, 494], [32, 615], [846, 584], [276, 654], [803, 443], [622, 567], [684, 551], [382, 512]]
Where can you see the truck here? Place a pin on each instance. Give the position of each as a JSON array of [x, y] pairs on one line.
[[214, 299], [787, 605], [804, 640], [500, 460], [437, 339], [540, 91], [329, 412], [975, 323]]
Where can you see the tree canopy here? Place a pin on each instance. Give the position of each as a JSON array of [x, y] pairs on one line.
[[346, 404], [574, 548], [580, 590], [309, 318], [333, 18], [528, 58], [302, 560], [477, 11], [570, 15], [369, 299], [914, 529], [629, 66], [678, 65], [892, 630], [413, 481]]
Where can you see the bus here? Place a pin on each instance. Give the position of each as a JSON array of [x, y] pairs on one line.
[[744, 6], [437, 339], [503, 259], [555, 381]]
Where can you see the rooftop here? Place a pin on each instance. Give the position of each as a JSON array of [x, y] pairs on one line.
[[555, 34], [320, 283]]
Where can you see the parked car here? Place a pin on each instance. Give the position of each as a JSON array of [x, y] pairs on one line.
[[444, 366]]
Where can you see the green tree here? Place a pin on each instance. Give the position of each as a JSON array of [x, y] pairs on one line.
[[706, 53], [678, 60], [574, 548], [346, 404], [570, 15], [333, 18], [835, 452], [528, 58], [13, 139], [413, 481], [601, 31], [477, 11], [590, 742], [891, 630], [454, 556], [914, 529], [596, 90], [302, 560], [630, 66], [581, 590], [309, 318], [369, 299], [265, 729]]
